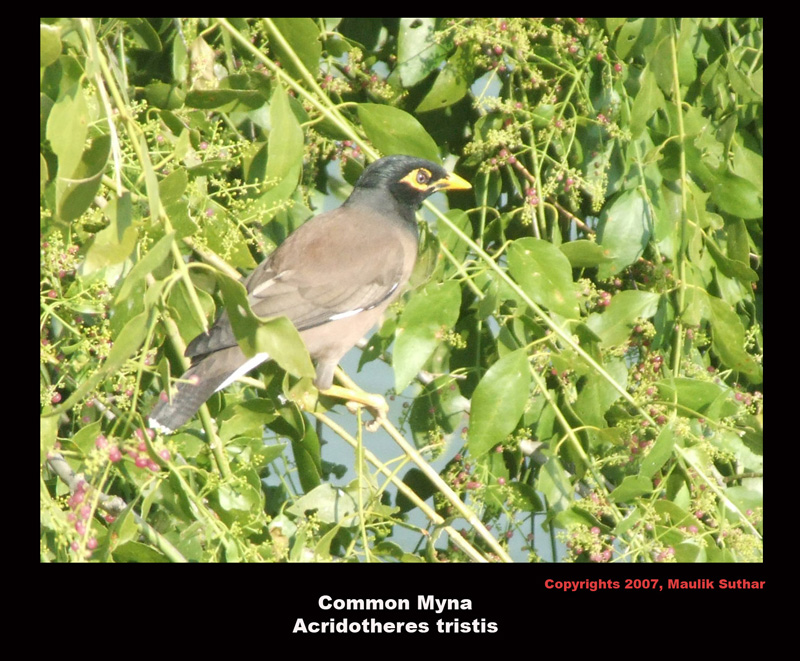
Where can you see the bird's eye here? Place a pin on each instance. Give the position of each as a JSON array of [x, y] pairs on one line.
[[423, 176]]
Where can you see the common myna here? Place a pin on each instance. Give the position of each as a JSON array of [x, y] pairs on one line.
[[333, 278]]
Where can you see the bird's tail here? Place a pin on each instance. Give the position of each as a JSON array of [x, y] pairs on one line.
[[207, 375]]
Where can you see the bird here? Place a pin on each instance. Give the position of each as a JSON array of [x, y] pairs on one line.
[[333, 278]]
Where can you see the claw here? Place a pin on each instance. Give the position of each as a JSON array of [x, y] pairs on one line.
[[375, 404]]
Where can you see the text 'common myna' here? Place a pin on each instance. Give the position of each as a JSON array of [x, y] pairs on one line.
[[333, 278]]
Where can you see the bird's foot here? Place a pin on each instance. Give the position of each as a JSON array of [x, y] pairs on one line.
[[375, 404]]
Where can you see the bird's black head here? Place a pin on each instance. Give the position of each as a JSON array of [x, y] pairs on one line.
[[410, 180]]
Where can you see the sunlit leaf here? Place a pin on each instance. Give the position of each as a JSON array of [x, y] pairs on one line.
[[498, 402], [394, 131]]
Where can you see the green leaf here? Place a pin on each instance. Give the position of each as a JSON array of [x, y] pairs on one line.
[[498, 402], [164, 95], [648, 100], [273, 200], [115, 243], [302, 37], [49, 45], [418, 51], [450, 87], [107, 249], [658, 455], [278, 337], [331, 504], [545, 274], [732, 445], [172, 187], [634, 35], [44, 174], [613, 24], [553, 482], [394, 131], [85, 438], [597, 394], [701, 398], [145, 34], [624, 231], [745, 498], [222, 234], [750, 165], [661, 62], [150, 181], [584, 254], [183, 312], [67, 127], [614, 326], [137, 553], [627, 37], [145, 266], [285, 148], [308, 458], [240, 418], [733, 268], [217, 98], [631, 487], [76, 193], [428, 315], [737, 196], [237, 501], [728, 340], [48, 435], [180, 60]]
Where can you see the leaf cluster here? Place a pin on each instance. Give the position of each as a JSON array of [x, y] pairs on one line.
[[581, 344]]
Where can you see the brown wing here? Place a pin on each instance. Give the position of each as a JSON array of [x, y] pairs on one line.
[[337, 264]]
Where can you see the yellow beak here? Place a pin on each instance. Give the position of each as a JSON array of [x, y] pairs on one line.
[[452, 182]]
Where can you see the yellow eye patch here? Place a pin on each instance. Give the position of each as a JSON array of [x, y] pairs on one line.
[[418, 179]]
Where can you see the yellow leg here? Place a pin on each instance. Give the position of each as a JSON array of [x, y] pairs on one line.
[[375, 404]]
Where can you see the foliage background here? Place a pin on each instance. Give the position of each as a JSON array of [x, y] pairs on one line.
[[580, 353]]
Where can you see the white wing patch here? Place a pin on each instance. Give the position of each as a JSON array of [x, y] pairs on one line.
[[250, 364], [344, 315], [154, 424]]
